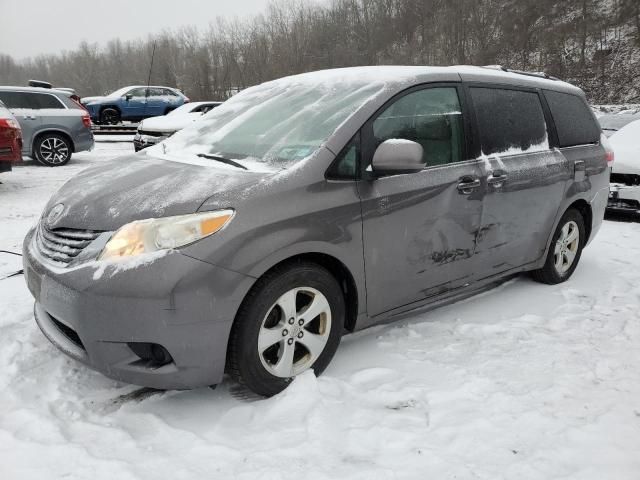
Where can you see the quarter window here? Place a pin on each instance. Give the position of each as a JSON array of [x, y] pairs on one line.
[[510, 121], [345, 166], [42, 100], [430, 117], [573, 119]]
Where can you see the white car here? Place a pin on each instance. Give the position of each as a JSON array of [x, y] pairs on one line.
[[155, 129], [624, 193]]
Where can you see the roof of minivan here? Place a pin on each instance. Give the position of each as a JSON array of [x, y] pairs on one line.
[[402, 75]]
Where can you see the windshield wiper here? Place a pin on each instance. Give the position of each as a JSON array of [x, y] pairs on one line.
[[223, 160]]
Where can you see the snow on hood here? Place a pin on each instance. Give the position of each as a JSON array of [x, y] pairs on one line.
[[169, 123], [137, 187], [626, 148], [90, 99]]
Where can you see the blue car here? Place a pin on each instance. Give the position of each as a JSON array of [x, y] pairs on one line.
[[133, 103]]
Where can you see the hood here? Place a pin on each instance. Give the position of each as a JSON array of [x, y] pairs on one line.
[[137, 187], [169, 123], [85, 100], [626, 149]]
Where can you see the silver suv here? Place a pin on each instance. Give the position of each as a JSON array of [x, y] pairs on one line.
[[53, 125]]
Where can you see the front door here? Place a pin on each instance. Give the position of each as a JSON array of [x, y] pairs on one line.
[[134, 103], [419, 229], [524, 179]]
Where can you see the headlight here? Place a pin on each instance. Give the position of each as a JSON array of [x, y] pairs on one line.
[[146, 236]]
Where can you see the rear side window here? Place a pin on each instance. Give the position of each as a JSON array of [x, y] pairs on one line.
[[573, 119], [510, 121], [44, 100], [15, 99]]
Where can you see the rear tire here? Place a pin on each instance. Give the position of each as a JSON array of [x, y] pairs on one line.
[[52, 150], [271, 340], [110, 116], [565, 249]]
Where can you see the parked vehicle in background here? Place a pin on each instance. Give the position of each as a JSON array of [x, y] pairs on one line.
[[10, 139], [53, 125], [155, 129], [624, 194], [310, 205], [611, 123], [133, 103]]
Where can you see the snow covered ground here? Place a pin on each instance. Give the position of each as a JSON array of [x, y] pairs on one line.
[[522, 382]]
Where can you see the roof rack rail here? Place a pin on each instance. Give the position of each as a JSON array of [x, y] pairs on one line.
[[521, 72]]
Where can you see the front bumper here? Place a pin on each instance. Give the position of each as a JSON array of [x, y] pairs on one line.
[[141, 141], [624, 198], [185, 305]]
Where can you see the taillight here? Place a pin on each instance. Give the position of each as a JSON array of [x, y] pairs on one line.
[[9, 123], [86, 120], [608, 150], [610, 156], [186, 100]]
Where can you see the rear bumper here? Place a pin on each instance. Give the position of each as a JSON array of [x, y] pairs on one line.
[[182, 304], [624, 198], [84, 141], [5, 166]]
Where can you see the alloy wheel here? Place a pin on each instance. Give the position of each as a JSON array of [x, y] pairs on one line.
[[566, 247], [54, 150], [294, 332]]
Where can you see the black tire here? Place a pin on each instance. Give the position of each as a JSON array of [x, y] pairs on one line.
[[52, 150], [110, 116], [245, 362], [549, 273]]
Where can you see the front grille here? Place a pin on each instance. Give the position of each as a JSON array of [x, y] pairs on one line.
[[6, 151], [152, 134], [62, 245]]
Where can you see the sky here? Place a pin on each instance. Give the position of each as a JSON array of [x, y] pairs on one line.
[[62, 25]]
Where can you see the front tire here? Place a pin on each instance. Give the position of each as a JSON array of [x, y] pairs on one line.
[[291, 321], [565, 249], [110, 116], [52, 150]]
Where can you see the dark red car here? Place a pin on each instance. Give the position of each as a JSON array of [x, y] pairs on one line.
[[10, 140]]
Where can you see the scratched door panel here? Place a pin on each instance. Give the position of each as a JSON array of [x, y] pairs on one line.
[[419, 234]]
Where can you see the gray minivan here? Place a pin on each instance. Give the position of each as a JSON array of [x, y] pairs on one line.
[[54, 126], [311, 206]]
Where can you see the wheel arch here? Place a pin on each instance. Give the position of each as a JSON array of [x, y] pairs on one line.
[[60, 132], [338, 270], [585, 210], [110, 105]]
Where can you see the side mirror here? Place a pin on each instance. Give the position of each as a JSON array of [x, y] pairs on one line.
[[398, 156], [128, 97]]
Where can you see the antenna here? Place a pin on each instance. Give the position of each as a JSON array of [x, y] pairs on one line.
[[146, 93]]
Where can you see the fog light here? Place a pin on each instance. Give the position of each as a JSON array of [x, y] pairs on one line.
[[152, 353]]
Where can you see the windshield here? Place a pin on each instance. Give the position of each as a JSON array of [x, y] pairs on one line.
[[273, 125]]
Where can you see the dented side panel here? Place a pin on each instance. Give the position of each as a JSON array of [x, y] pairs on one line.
[[519, 213], [419, 234]]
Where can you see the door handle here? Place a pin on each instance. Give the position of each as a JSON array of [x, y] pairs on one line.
[[497, 178], [467, 185]]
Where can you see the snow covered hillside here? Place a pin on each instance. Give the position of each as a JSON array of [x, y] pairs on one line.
[[526, 381]]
